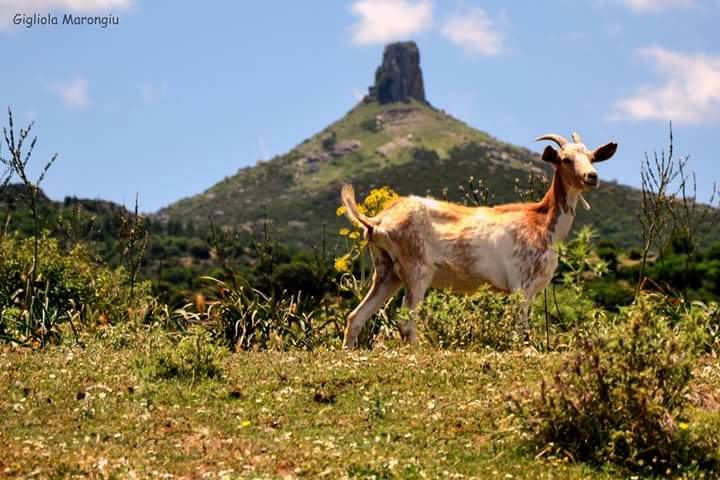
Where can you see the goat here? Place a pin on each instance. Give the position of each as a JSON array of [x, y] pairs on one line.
[[418, 243]]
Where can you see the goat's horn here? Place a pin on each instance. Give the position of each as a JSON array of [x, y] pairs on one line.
[[576, 137], [553, 137]]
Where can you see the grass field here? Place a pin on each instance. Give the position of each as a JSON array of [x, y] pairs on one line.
[[393, 412]]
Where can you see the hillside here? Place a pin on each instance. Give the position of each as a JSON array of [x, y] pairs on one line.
[[389, 138]]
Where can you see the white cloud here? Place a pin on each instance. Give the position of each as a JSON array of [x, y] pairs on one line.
[[383, 21], [8, 8], [74, 93], [475, 32], [689, 91], [645, 6]]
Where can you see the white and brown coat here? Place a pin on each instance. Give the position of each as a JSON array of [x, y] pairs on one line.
[[418, 243]]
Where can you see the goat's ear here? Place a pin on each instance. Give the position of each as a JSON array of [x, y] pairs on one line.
[[603, 153], [550, 155]]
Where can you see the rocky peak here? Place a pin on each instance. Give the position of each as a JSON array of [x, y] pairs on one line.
[[398, 78]]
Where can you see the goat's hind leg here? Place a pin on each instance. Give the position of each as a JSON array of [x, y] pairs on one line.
[[385, 283], [414, 294]]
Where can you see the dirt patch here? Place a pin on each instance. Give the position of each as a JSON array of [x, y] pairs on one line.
[[398, 144]]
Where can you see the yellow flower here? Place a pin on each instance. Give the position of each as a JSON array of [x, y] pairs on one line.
[[374, 203], [245, 423], [353, 235], [342, 264], [344, 232], [683, 425], [377, 199]]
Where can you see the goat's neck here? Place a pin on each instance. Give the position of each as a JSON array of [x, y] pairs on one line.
[[559, 207]]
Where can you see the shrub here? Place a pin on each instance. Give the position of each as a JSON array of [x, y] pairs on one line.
[[611, 294], [244, 318], [194, 357], [482, 320], [713, 251], [426, 155], [372, 125], [296, 277], [675, 272], [622, 397], [568, 308], [576, 261], [607, 251], [199, 249], [70, 284], [329, 141]]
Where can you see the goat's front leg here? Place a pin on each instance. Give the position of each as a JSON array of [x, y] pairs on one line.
[[531, 289], [524, 321], [529, 294], [523, 324]]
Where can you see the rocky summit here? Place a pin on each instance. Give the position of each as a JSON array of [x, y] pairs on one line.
[[399, 77]]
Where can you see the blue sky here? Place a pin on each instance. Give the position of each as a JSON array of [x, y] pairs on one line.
[[180, 94]]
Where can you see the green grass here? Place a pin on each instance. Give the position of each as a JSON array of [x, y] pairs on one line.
[[394, 412]]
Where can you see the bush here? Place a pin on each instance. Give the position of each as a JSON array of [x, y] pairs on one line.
[[611, 294], [674, 273], [568, 309], [607, 252], [713, 251], [372, 125], [70, 284], [622, 397], [426, 156], [329, 141], [296, 277], [194, 357], [199, 249], [244, 318], [482, 320]]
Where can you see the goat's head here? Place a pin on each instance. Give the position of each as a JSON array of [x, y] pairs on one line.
[[574, 162]]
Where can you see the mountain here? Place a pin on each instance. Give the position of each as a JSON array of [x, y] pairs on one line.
[[393, 137]]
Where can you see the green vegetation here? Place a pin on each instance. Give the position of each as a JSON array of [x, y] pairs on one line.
[[396, 411], [194, 357], [149, 346], [400, 412], [624, 395], [481, 321], [70, 286]]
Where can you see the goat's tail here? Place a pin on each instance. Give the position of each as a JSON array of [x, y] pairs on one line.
[[347, 195]]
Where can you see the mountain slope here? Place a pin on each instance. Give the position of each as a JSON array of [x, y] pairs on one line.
[[409, 146]]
